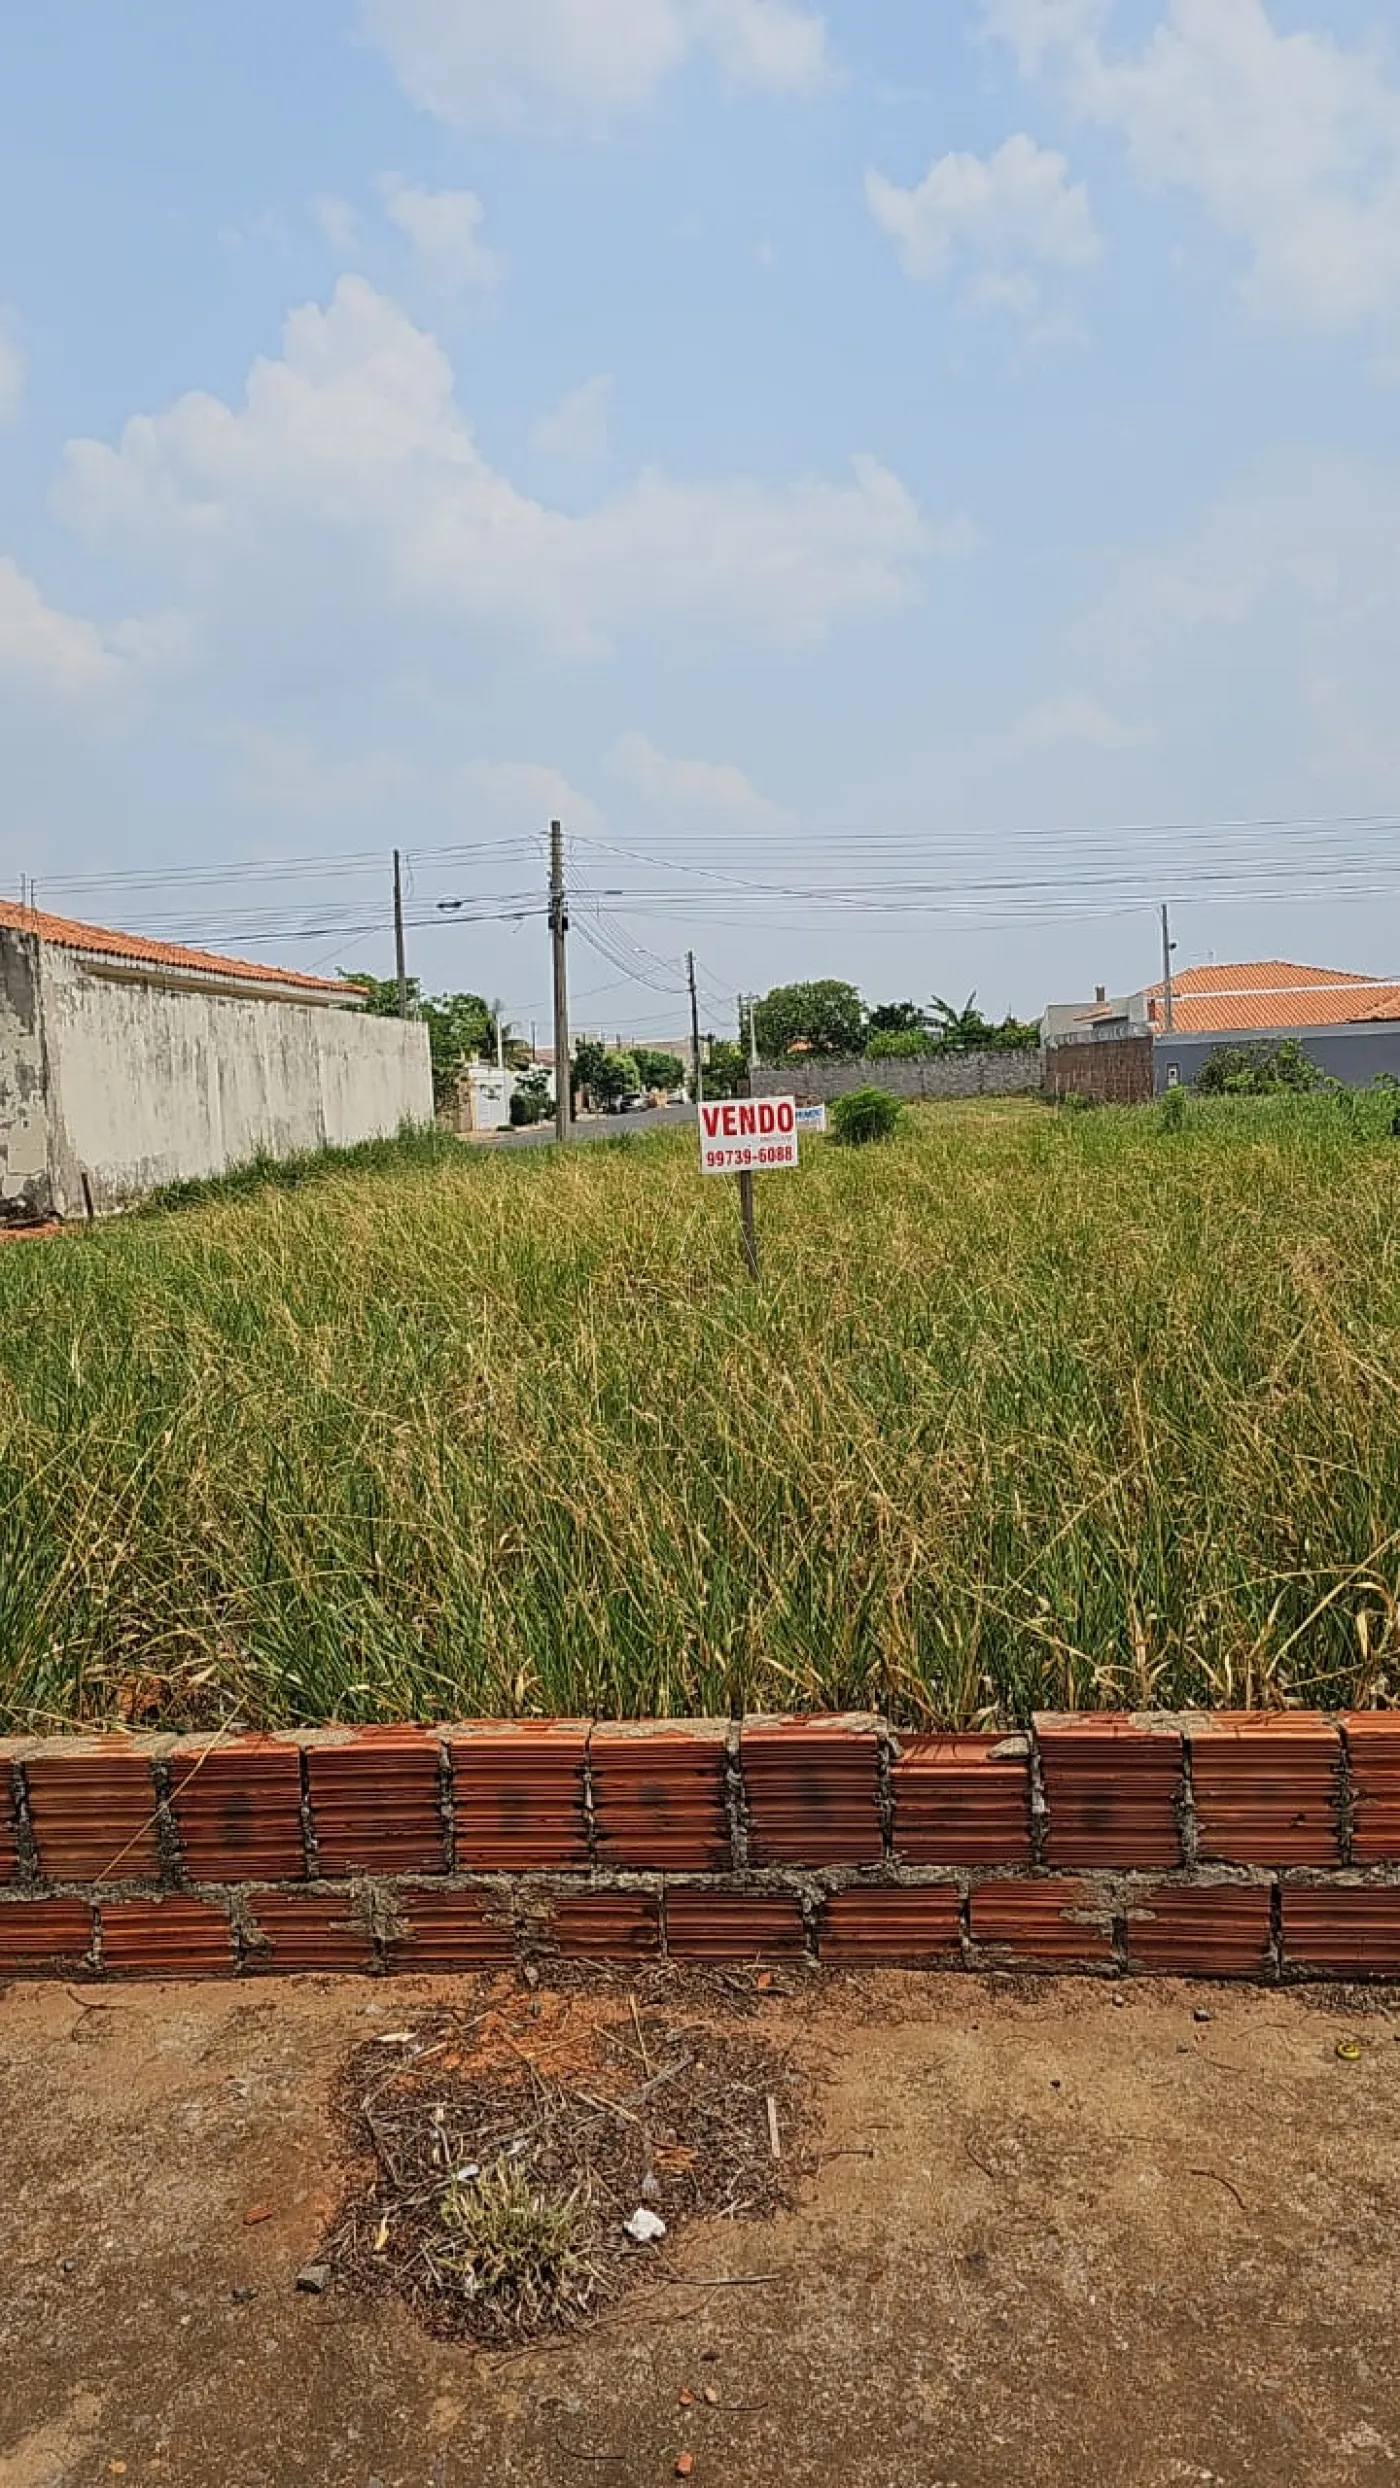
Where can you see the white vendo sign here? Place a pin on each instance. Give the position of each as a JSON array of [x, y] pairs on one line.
[[747, 1135]]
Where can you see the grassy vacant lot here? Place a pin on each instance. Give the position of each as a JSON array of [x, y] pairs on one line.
[[1029, 1408]]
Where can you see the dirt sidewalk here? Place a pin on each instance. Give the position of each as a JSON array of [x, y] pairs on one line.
[[1056, 2238]]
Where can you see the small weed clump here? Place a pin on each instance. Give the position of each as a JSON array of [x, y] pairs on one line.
[[519, 2251]]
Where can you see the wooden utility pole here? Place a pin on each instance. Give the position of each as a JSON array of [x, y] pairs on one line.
[[400, 956], [558, 928], [696, 1083], [1168, 946]]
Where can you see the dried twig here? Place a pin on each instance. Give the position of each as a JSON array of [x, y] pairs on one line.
[[1227, 2182], [641, 2036]]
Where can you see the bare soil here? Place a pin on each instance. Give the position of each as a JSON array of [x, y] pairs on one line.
[[1044, 2236]]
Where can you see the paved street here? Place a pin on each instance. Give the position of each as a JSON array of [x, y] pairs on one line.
[[597, 1127]]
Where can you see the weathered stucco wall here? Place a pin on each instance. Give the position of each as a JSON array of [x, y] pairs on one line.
[[24, 1127], [148, 1084]]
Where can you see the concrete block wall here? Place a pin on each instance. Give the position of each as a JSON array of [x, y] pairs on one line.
[[997, 1072], [1233, 1845]]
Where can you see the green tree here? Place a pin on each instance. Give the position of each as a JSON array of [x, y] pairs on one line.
[[726, 1070], [589, 1058], [826, 1017], [1011, 1035], [967, 1031], [460, 1025], [605, 1075], [382, 993], [616, 1076], [658, 1071], [896, 1019], [898, 1044], [959, 1032], [529, 1099]]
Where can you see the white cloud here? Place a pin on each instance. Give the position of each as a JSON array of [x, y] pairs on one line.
[[577, 427], [339, 223], [286, 773], [349, 477], [13, 373], [444, 227], [693, 789], [765, 43], [1264, 638], [48, 650], [1075, 718], [1289, 141], [995, 218], [517, 796], [530, 62]]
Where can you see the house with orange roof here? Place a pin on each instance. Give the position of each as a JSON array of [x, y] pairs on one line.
[[1136, 1045], [127, 1063]]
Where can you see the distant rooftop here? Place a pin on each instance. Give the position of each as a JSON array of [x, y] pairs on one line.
[[1270, 993], [121, 951]]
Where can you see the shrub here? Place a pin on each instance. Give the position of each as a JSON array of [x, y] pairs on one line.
[[898, 1045], [866, 1114], [1257, 1071], [529, 1101], [1173, 1110]]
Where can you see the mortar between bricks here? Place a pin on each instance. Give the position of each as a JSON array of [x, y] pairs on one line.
[[688, 1790]]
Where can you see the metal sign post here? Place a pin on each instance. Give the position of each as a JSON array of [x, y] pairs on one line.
[[745, 1136]]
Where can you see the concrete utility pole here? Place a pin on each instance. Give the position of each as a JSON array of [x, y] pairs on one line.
[[400, 957], [752, 1000], [696, 1083], [558, 928], [1168, 946]]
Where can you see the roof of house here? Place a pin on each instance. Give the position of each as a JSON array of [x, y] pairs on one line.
[[1271, 993], [100, 942]]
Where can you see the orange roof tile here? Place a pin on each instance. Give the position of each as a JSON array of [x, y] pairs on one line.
[[102, 942], [1271, 993]]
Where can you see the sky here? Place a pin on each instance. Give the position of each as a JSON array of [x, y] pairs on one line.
[[910, 485]]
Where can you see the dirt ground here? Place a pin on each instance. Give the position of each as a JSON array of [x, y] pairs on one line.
[[1052, 2237]]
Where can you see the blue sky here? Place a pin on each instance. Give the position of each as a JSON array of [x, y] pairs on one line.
[[917, 454]]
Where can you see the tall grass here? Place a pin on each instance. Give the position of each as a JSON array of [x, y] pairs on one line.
[[1028, 1408]]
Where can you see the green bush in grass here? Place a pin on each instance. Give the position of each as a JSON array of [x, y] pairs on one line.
[[866, 1114]]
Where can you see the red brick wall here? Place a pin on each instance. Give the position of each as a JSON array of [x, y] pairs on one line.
[[1229, 1845], [1114, 1071]]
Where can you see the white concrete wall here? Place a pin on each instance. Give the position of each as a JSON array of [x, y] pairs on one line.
[[149, 1084], [24, 1120]]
